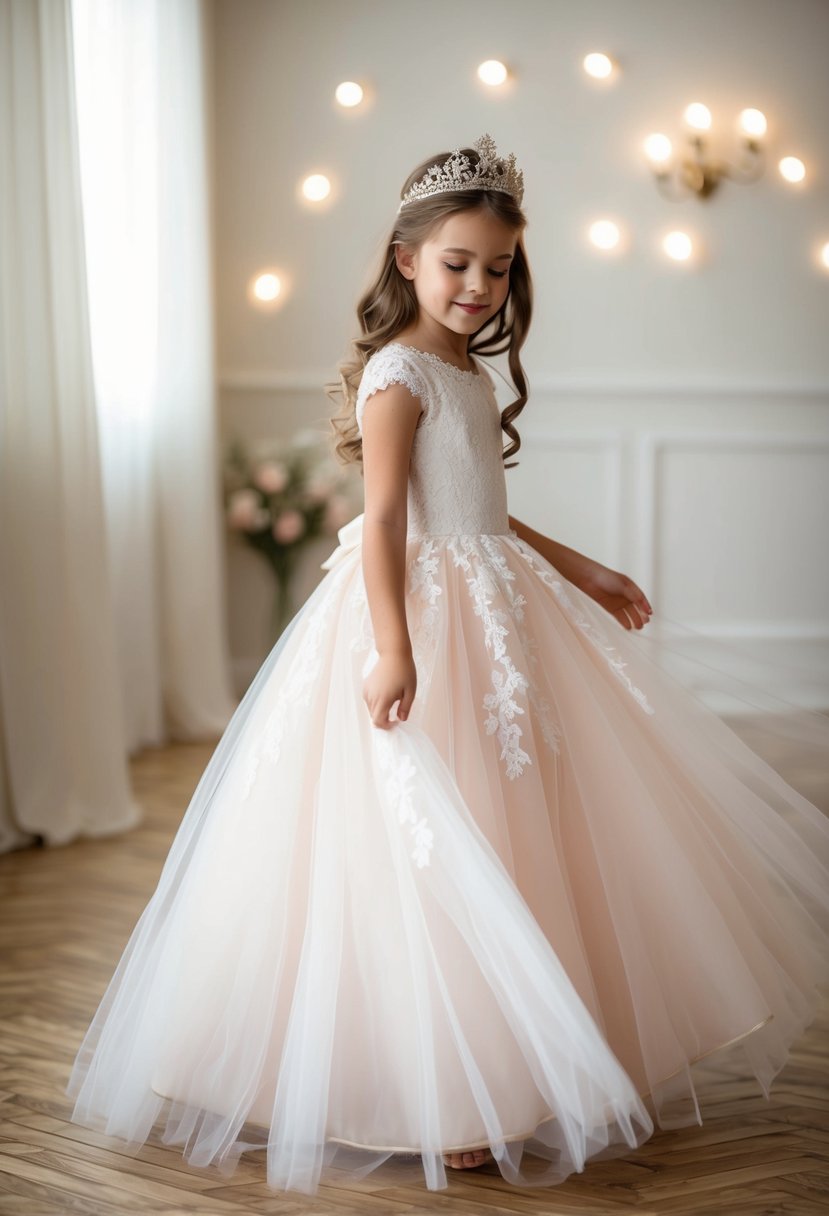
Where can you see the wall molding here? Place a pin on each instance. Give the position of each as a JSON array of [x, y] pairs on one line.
[[652, 446], [610, 442], [296, 379]]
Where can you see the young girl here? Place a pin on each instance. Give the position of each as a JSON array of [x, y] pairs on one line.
[[464, 881]]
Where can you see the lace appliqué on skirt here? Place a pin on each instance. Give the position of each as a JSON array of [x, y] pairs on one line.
[[597, 638], [399, 778], [426, 592], [501, 705], [294, 691], [550, 729]]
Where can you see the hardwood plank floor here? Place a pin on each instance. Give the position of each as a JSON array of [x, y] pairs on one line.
[[65, 916]]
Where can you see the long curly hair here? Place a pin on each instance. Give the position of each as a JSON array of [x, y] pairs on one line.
[[390, 305]]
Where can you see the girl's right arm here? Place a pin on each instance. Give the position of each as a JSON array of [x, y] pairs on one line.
[[388, 428]]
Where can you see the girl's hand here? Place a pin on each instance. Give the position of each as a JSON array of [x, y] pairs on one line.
[[392, 678], [617, 594]]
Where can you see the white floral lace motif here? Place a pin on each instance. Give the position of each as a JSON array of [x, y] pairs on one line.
[[399, 779], [294, 691], [529, 644], [422, 585], [596, 637], [456, 473], [501, 705], [390, 365]]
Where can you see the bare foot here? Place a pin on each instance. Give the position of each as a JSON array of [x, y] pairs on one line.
[[468, 1160]]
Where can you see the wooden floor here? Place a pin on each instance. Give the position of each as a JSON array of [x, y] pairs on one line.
[[65, 916]]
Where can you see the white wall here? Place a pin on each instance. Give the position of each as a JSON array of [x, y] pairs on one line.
[[678, 425]]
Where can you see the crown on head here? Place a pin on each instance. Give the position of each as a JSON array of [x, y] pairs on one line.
[[458, 174]]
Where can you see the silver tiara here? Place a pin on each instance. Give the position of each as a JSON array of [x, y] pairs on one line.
[[458, 174]]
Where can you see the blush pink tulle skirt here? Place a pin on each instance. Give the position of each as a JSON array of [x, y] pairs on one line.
[[515, 920]]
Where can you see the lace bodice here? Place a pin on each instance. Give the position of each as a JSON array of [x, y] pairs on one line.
[[456, 474]]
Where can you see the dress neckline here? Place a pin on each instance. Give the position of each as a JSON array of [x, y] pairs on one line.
[[428, 354]]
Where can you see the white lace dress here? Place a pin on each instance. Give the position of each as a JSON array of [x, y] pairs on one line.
[[515, 920]]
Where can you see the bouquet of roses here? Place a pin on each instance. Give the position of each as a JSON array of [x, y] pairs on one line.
[[280, 498]]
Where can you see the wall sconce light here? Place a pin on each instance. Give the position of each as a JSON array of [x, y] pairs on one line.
[[698, 173], [792, 169]]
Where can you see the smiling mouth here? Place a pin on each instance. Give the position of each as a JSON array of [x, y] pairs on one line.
[[472, 307]]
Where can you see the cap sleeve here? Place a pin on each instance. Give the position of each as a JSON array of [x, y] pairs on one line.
[[391, 365]]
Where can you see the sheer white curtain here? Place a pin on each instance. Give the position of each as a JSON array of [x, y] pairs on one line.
[[142, 111], [111, 584], [62, 741]]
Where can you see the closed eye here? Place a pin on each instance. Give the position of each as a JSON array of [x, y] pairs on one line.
[[496, 274]]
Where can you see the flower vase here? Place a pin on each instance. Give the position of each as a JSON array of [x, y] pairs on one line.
[[283, 601]]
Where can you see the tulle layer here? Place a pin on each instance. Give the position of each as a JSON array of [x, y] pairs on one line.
[[514, 920]]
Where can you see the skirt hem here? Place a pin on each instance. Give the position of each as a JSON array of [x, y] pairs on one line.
[[457, 1148]]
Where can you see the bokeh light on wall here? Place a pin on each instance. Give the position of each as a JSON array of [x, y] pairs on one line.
[[752, 123], [697, 116], [600, 66], [268, 289], [316, 187], [316, 191], [349, 93], [792, 169], [606, 236], [678, 246], [823, 256], [658, 148], [492, 72]]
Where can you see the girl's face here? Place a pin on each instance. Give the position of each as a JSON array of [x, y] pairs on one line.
[[466, 261]]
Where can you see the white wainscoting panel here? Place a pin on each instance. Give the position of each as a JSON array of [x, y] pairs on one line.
[[571, 483], [733, 532]]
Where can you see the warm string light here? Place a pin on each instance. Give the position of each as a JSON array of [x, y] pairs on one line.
[[605, 235], [349, 93], [698, 174], [600, 66], [316, 187], [492, 72], [678, 246], [268, 289]]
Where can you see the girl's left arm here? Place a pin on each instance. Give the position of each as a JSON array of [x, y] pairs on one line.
[[615, 592]]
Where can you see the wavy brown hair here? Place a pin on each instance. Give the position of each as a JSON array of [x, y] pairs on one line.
[[390, 305]]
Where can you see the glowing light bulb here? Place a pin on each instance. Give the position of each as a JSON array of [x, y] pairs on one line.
[[824, 255], [492, 72], [658, 148], [678, 246], [604, 234], [598, 65], [316, 187], [753, 123], [698, 116], [349, 93], [792, 169], [265, 287]]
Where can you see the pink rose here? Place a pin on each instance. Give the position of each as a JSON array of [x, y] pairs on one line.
[[319, 487], [271, 477], [288, 526], [243, 510]]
